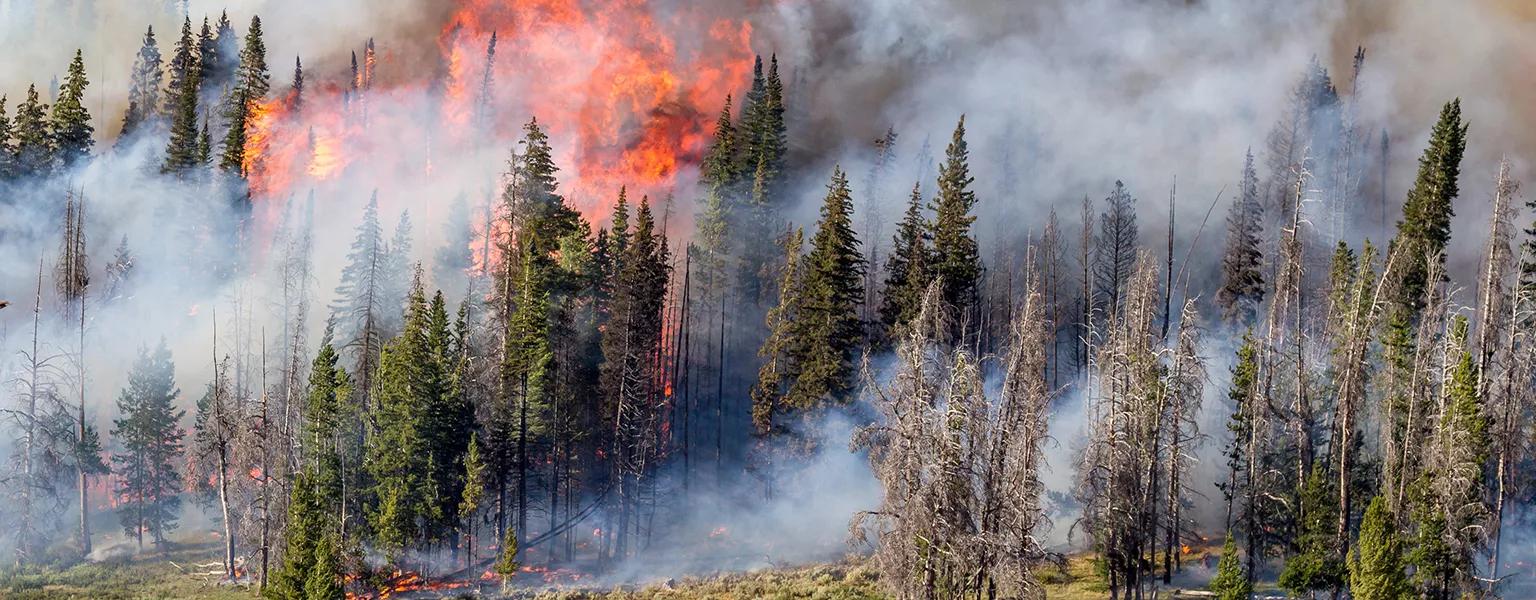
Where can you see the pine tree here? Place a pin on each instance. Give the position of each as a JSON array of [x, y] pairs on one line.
[[396, 283], [182, 154], [325, 577], [310, 520], [149, 438], [718, 170], [1317, 566], [1231, 581], [208, 59], [71, 122], [827, 324], [446, 415], [956, 259], [183, 70], [1425, 228], [779, 351], [906, 270], [7, 148], [397, 459], [143, 87], [296, 96], [1115, 249], [251, 77], [1242, 279], [1376, 567], [358, 310], [34, 141]]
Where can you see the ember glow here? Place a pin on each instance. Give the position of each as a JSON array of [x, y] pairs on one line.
[[628, 92]]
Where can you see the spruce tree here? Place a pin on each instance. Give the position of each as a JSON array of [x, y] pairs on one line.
[[149, 439], [1318, 566], [182, 154], [827, 325], [358, 310], [956, 259], [71, 122], [1425, 228], [143, 87], [34, 141], [252, 77], [1231, 581], [780, 350], [1115, 250], [208, 59], [718, 169], [7, 148], [1242, 277], [397, 461], [1376, 567], [906, 269], [183, 70]]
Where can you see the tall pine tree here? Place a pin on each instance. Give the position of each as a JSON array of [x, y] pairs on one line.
[[149, 439]]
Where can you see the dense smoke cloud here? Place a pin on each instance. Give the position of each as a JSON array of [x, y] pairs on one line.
[[1061, 99]]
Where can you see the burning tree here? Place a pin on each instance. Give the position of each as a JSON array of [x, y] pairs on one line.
[[962, 494]]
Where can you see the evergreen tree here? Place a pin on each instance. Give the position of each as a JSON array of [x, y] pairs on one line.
[[396, 282], [1242, 278], [252, 78], [956, 259], [446, 416], [718, 171], [1231, 581], [780, 352], [1317, 566], [1425, 228], [906, 270], [182, 151], [34, 141], [358, 310], [325, 577], [310, 520], [454, 259], [7, 148], [397, 461], [1376, 567], [149, 438], [1115, 249], [827, 324], [183, 70], [143, 87], [71, 122], [208, 58]]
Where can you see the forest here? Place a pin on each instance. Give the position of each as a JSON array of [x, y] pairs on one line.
[[500, 299]]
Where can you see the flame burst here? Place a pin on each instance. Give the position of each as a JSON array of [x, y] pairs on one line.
[[626, 90]]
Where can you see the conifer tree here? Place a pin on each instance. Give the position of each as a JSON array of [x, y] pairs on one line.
[[209, 60], [1242, 279], [1115, 249], [718, 169], [1231, 581], [71, 122], [1425, 228], [296, 97], [252, 77], [34, 140], [216, 436], [143, 87], [182, 70], [827, 324], [1317, 566], [396, 282], [956, 259], [447, 415], [780, 350], [397, 461], [149, 438], [1376, 567], [358, 310], [906, 270], [7, 148], [182, 151]]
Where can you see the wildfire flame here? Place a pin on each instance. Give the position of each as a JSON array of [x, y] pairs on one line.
[[627, 92]]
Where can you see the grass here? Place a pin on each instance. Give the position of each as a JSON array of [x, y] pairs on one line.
[[172, 576]]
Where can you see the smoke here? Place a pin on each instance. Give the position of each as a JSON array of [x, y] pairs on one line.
[[1060, 98]]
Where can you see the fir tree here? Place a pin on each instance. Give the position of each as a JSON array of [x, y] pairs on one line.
[[779, 351], [827, 324], [1115, 249], [143, 87], [183, 70], [718, 171], [252, 78], [1317, 566], [906, 270], [1376, 567], [1425, 228], [956, 259], [34, 141], [397, 459], [149, 438], [7, 148], [71, 122], [359, 308], [1242, 279], [1231, 581]]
